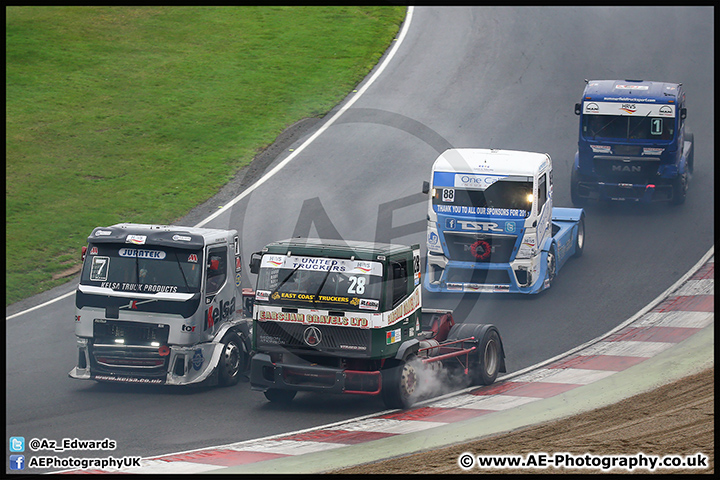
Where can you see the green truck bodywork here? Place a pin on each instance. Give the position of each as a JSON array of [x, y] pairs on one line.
[[346, 317]]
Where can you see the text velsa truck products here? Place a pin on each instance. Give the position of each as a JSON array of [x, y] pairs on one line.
[[632, 144], [492, 227], [346, 317], [161, 304]]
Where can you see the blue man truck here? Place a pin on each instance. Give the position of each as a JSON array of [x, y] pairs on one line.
[[492, 227], [632, 144]]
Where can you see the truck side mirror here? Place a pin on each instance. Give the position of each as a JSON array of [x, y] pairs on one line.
[[426, 187], [255, 262], [683, 113], [578, 109]]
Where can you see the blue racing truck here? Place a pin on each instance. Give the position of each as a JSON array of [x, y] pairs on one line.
[[492, 226], [632, 143]]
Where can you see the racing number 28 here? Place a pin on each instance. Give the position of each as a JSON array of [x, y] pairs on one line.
[[357, 285]]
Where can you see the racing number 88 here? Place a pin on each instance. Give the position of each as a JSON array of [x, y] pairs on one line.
[[448, 194]]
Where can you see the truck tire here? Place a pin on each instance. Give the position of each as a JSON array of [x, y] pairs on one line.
[[280, 396], [691, 156], [232, 360], [400, 384], [551, 266], [575, 197], [487, 365], [580, 238], [484, 366], [679, 189]]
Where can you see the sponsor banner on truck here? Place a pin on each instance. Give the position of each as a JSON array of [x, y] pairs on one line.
[[628, 109], [322, 264], [314, 317]]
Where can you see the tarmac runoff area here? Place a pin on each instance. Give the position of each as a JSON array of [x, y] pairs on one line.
[[671, 338]]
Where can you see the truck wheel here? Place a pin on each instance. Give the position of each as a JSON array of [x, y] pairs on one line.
[[232, 360], [400, 384], [551, 266], [280, 396], [484, 366], [580, 239], [487, 363], [691, 157], [575, 197], [679, 189]]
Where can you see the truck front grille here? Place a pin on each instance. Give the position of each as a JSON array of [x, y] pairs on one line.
[[478, 276], [128, 348], [131, 333], [469, 247], [333, 339], [642, 170]]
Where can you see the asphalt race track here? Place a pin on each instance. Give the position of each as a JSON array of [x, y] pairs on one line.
[[461, 77]]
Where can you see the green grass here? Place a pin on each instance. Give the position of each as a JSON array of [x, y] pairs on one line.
[[139, 114]]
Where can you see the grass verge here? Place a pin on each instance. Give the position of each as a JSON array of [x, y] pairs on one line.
[[139, 114]]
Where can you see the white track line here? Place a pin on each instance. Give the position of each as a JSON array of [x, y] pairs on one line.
[[296, 152]]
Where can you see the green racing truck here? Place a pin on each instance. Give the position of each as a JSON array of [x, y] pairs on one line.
[[346, 317]]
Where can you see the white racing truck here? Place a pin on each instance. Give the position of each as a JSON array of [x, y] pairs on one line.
[[161, 304], [492, 226]]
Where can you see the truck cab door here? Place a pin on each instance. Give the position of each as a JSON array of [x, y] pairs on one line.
[[237, 259], [217, 291], [544, 208]]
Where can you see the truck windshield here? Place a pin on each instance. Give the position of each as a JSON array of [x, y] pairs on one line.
[[309, 282], [148, 269], [511, 198], [622, 127]]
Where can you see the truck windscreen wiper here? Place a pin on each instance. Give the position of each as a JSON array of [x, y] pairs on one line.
[[629, 135], [187, 287], [323, 282], [595, 134], [284, 281]]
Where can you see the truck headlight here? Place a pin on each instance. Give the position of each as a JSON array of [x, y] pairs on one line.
[[433, 239]]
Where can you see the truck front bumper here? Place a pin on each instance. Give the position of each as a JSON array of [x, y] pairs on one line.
[[451, 276], [643, 193], [171, 365], [266, 374]]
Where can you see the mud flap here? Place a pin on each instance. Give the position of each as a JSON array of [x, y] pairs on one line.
[[200, 362]]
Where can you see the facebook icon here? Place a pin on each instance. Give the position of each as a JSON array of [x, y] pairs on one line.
[[17, 462]]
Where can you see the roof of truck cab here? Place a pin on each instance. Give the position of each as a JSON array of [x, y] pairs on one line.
[[490, 161], [336, 248], [164, 235], [632, 91]]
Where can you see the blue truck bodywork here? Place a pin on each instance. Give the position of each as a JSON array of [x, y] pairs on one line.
[[632, 143], [477, 243]]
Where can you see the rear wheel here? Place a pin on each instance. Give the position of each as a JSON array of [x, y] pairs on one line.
[[280, 396], [483, 366], [679, 188], [400, 384], [486, 369], [580, 238], [575, 197]]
